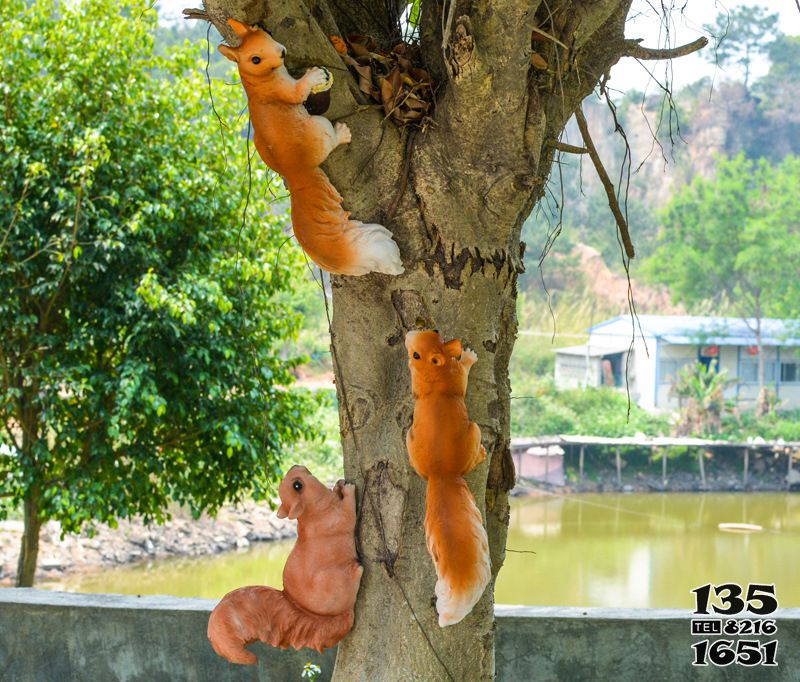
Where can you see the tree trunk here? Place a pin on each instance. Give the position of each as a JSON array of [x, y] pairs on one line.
[[455, 195], [29, 421], [397, 636], [29, 546]]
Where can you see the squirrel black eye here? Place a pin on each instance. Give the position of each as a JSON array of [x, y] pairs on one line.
[[256, 60], [416, 355], [297, 485], [435, 361]]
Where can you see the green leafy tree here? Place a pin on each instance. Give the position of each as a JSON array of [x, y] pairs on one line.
[[742, 34], [735, 240], [779, 91], [138, 316]]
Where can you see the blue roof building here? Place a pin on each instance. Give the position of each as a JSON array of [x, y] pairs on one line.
[[654, 348]]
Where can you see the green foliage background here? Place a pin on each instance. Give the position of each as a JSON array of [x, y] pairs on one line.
[[735, 239], [142, 322]]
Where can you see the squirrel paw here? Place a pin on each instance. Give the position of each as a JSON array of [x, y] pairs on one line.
[[468, 357], [342, 488], [343, 135], [315, 76]]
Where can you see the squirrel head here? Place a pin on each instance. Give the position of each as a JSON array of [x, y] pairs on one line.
[[429, 356], [300, 492], [258, 55]]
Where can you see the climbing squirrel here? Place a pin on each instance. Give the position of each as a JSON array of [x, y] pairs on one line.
[[293, 143], [444, 445], [321, 577]]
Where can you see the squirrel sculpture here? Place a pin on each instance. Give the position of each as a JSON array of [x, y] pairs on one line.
[[444, 445], [293, 143], [321, 577]]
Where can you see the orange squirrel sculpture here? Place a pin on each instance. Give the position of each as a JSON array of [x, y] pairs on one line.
[[294, 144], [444, 445], [320, 579]]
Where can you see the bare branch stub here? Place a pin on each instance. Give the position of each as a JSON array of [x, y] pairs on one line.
[[608, 186], [634, 49], [560, 146], [217, 17]]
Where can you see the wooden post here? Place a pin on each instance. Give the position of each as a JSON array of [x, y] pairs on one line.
[[580, 465], [700, 458], [619, 469], [664, 467], [547, 464], [789, 470], [746, 465]]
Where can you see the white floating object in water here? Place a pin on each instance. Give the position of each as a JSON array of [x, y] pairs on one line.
[[740, 527]]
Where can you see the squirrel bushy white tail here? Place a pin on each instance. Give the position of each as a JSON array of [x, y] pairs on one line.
[[294, 144], [328, 235], [443, 446], [458, 545]]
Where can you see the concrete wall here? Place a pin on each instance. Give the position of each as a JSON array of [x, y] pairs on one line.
[[59, 637]]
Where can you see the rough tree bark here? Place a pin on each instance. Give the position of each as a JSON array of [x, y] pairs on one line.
[[455, 196]]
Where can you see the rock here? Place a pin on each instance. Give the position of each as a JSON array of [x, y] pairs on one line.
[[50, 563]]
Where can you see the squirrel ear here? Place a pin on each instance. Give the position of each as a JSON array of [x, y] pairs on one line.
[[229, 52], [239, 28], [453, 348]]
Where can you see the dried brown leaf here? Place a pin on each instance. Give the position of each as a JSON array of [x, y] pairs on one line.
[[538, 61]]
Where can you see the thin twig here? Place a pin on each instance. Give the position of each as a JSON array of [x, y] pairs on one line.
[[211, 96], [549, 37], [608, 186], [634, 49], [401, 189], [446, 30]]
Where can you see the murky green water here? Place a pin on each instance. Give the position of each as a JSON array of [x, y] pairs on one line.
[[632, 550]]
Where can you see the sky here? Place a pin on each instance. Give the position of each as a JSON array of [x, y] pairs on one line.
[[646, 23], [686, 27]]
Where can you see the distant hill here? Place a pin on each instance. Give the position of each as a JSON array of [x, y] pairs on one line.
[[671, 141]]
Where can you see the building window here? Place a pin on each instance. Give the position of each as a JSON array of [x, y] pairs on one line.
[[748, 371], [668, 369], [790, 372]]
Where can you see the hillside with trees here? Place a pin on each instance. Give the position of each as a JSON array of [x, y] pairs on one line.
[[671, 140]]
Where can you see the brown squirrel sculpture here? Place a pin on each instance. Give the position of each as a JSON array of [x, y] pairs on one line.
[[444, 445], [320, 579], [294, 144]]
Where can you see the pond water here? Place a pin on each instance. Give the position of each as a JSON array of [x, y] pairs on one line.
[[634, 550]]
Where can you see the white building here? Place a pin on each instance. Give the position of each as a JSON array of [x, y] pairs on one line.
[[666, 343]]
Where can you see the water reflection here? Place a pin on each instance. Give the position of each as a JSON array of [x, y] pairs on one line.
[[633, 550], [647, 550]]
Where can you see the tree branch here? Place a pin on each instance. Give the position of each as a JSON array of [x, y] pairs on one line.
[[217, 18], [567, 148], [634, 49], [608, 186]]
